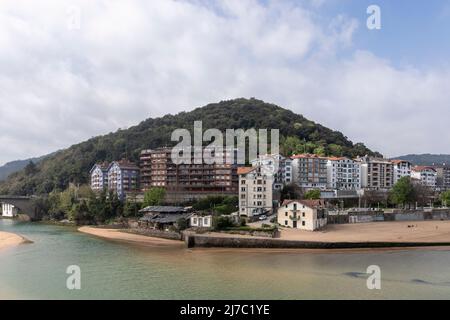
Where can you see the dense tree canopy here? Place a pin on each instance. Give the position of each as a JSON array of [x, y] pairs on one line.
[[72, 165], [154, 197], [313, 194]]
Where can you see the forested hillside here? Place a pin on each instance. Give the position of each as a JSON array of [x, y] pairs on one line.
[[298, 135]]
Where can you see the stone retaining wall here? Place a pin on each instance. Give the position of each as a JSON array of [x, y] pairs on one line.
[[409, 215], [157, 233], [229, 242]]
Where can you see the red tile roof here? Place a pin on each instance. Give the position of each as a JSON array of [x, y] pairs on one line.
[[308, 203], [422, 168], [245, 170]]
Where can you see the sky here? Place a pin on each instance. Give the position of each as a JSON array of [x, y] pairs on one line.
[[71, 70]]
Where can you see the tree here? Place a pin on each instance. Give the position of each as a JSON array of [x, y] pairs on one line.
[[131, 208], [291, 191], [375, 198], [312, 194], [445, 198], [182, 224], [115, 204], [222, 223], [30, 168], [423, 194], [154, 197], [403, 192], [336, 150]]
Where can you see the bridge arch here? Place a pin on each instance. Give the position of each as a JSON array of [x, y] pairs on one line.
[[24, 205]]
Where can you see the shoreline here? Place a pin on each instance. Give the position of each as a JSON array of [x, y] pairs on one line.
[[346, 238], [131, 238], [8, 239]]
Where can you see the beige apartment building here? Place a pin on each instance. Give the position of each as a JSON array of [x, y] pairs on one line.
[[376, 173], [309, 215], [255, 191], [310, 171]]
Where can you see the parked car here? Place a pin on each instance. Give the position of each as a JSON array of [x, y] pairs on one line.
[[263, 217]]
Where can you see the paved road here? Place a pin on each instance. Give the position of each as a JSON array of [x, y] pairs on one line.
[[259, 223]]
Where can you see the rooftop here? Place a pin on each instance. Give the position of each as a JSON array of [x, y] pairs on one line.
[[163, 209], [308, 203]]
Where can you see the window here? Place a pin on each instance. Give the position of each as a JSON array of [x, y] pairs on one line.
[[285, 214], [285, 222], [303, 214], [303, 223]]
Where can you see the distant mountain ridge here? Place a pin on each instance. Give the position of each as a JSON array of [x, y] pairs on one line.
[[17, 165], [72, 165], [426, 159]]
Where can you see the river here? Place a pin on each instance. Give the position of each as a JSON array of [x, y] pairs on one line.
[[112, 270]]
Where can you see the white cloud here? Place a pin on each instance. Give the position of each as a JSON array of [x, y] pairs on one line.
[[134, 59]]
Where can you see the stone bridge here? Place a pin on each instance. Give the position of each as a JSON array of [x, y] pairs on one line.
[[25, 205]]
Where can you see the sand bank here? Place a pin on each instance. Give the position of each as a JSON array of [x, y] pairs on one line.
[[346, 236], [10, 239], [115, 234], [397, 231]]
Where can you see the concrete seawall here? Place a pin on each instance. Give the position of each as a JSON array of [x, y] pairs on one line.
[[204, 241]]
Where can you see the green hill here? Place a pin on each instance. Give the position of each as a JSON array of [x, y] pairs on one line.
[[72, 165], [15, 166]]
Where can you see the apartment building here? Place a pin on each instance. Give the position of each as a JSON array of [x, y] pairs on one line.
[[307, 215], [99, 176], [189, 180], [376, 173], [401, 168], [255, 191], [343, 174], [443, 177], [426, 175], [310, 171], [279, 166], [123, 177]]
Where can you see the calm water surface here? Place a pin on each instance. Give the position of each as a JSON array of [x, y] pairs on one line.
[[111, 270]]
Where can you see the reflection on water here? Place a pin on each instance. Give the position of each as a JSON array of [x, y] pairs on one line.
[[112, 270]]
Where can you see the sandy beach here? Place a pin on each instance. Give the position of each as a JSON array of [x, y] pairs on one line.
[[401, 232], [397, 231], [10, 239], [115, 234]]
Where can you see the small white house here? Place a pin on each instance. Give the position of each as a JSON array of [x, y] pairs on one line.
[[197, 221], [8, 210], [307, 215]]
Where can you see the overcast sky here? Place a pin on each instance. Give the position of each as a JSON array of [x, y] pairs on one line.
[[70, 70]]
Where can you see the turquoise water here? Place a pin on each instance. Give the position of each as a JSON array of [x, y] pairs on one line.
[[111, 270]]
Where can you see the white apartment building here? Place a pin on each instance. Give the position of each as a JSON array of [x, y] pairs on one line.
[[8, 210], [307, 215], [99, 177], [402, 168], [255, 191], [310, 171], [280, 166], [426, 175], [343, 174]]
